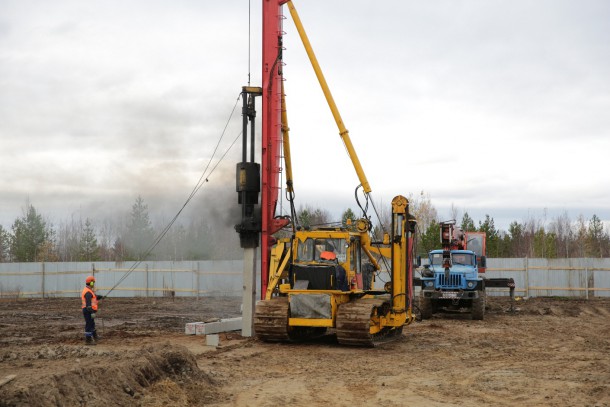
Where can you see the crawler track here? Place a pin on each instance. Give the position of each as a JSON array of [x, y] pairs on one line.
[[271, 320], [271, 323], [354, 324]]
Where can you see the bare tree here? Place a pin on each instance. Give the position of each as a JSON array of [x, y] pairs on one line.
[[68, 239], [425, 213], [562, 227]]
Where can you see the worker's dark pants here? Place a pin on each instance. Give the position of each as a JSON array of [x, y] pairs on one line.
[[368, 270], [89, 324], [341, 277]]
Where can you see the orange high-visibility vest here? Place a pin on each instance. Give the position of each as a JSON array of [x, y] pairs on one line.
[[93, 298]]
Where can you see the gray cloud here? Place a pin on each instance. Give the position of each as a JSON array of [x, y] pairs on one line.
[[102, 101]]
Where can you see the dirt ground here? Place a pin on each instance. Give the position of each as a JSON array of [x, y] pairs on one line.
[[551, 351]]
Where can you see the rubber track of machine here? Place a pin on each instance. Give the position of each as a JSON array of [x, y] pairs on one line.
[[271, 320], [354, 322]]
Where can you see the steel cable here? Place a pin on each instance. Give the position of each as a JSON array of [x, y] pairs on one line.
[[202, 180]]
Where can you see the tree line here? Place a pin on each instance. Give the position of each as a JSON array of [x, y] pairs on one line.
[[562, 237], [34, 239]]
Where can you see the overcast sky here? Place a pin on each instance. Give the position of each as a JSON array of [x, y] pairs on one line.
[[497, 107]]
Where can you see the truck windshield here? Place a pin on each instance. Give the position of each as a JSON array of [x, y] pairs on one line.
[[465, 259], [310, 249]]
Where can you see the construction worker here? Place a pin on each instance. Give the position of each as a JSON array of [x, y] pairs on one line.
[[89, 304]]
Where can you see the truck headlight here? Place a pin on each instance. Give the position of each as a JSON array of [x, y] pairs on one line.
[[429, 283], [471, 284]]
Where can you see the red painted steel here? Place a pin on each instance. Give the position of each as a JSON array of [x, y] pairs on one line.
[[271, 130]]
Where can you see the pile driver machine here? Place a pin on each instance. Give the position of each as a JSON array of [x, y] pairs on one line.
[[313, 280]]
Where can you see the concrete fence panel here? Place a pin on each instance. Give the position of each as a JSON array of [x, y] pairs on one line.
[[579, 277]]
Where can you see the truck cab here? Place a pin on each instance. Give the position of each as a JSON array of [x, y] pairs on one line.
[[463, 274]]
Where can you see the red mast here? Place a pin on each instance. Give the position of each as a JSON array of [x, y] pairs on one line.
[[271, 130]]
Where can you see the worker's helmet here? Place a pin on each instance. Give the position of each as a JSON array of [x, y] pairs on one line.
[[90, 280], [328, 256]]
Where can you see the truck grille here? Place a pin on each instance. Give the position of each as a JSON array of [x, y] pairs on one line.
[[455, 280]]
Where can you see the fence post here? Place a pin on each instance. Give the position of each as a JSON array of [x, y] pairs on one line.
[[42, 282], [146, 279], [590, 279], [197, 278], [527, 278], [586, 282]]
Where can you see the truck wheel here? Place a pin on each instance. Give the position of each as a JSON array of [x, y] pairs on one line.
[[478, 307], [425, 307]]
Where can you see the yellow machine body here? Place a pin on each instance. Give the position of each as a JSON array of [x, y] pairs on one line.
[[308, 292], [295, 308]]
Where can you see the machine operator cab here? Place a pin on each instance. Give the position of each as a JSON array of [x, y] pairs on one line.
[[310, 250], [327, 260]]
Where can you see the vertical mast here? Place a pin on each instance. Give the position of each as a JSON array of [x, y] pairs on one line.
[[271, 129]]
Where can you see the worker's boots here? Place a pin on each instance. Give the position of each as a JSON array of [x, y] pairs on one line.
[[96, 337], [89, 340]]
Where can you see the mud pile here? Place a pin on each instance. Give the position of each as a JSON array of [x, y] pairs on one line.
[[157, 375]]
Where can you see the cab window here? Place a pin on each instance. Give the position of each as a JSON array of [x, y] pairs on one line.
[[310, 249]]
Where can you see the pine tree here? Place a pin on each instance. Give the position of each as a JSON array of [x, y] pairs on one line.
[[310, 216], [304, 218], [4, 245], [517, 247], [580, 242], [492, 236], [595, 237], [467, 224], [348, 214], [545, 244], [430, 239], [32, 239], [140, 234], [89, 249]]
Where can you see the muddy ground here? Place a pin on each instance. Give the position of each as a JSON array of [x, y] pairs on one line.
[[553, 352]]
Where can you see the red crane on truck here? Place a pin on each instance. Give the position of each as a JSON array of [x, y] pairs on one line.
[[453, 279]]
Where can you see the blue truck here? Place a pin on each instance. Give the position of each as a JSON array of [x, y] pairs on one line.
[[453, 280], [456, 287]]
